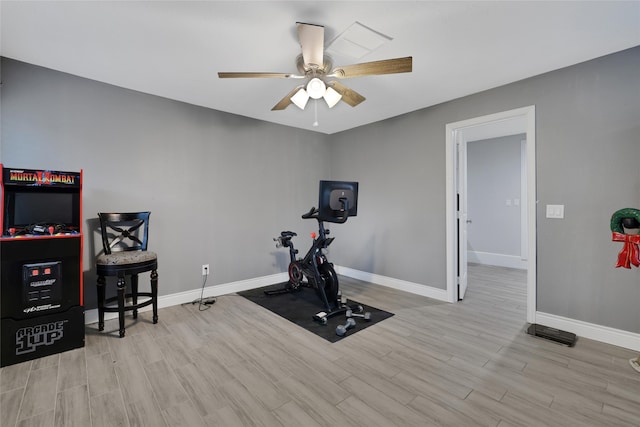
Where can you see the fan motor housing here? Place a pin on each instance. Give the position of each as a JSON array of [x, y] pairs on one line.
[[311, 71]]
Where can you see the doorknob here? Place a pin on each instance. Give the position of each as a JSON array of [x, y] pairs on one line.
[[469, 221]]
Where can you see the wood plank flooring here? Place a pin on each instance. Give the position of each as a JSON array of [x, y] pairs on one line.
[[236, 364]]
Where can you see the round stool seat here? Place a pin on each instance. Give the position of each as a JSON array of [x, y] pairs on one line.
[[126, 262]]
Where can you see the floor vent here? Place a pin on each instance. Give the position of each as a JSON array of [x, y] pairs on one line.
[[552, 334]]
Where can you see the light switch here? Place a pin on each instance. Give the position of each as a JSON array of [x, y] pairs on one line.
[[508, 202], [555, 211]]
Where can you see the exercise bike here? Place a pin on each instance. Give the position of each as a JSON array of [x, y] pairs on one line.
[[314, 267]]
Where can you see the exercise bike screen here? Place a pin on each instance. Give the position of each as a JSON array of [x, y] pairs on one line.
[[333, 195]]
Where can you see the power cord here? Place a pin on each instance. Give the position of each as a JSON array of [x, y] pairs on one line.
[[201, 301]]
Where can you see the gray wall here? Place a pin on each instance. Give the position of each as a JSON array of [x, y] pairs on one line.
[[493, 177], [219, 186], [219, 192], [588, 149], [399, 231]]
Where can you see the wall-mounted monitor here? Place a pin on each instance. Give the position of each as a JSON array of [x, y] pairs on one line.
[[338, 200]]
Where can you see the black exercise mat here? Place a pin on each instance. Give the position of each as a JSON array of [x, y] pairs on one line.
[[300, 306]]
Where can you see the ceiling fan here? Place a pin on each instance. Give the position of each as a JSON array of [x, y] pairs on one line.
[[318, 70]]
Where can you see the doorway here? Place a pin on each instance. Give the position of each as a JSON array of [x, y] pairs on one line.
[[458, 134], [496, 200]]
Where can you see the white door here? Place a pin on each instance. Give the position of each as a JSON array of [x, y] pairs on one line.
[[463, 217]]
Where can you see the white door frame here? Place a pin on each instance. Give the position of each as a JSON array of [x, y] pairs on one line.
[[462, 216], [524, 121]]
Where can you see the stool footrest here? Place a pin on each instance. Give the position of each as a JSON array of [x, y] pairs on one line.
[[129, 307]]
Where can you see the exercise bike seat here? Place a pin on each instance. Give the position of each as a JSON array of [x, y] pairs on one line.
[[288, 234]]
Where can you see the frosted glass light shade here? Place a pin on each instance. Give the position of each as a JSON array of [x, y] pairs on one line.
[[332, 97], [300, 98], [316, 88]]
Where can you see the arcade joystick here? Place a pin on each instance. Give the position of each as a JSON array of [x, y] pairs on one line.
[[51, 230], [12, 231]]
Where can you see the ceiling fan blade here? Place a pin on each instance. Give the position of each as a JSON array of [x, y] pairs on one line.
[[231, 75], [349, 96], [386, 66], [312, 43], [286, 101]]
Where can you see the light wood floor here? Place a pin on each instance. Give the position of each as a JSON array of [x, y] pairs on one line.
[[237, 364]]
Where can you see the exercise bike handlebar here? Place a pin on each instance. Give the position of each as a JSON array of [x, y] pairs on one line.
[[315, 213]]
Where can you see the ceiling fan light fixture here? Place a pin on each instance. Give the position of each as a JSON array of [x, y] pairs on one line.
[[332, 97], [300, 98], [315, 66], [316, 88]]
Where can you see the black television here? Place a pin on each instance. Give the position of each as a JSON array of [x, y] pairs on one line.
[[26, 207], [338, 200]]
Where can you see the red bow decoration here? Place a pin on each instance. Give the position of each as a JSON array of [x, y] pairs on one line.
[[630, 254]]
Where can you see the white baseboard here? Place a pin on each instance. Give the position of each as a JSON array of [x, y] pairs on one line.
[[402, 285], [91, 316], [591, 331], [499, 260]]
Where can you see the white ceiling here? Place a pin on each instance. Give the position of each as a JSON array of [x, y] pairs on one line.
[[175, 49]]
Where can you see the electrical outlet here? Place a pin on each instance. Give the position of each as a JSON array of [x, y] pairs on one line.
[[205, 269]]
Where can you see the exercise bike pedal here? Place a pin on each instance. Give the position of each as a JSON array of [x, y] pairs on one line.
[[321, 317], [286, 289], [324, 316]]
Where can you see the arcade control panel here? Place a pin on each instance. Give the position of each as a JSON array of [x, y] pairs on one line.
[[41, 230]]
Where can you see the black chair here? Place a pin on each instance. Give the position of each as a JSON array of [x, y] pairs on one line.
[[124, 240]]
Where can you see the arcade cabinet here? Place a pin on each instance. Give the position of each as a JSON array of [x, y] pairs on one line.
[[41, 293]]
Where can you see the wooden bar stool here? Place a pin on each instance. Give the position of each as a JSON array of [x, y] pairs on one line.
[[124, 241]]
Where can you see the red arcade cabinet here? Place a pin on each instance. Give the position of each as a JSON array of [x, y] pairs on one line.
[[41, 293]]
